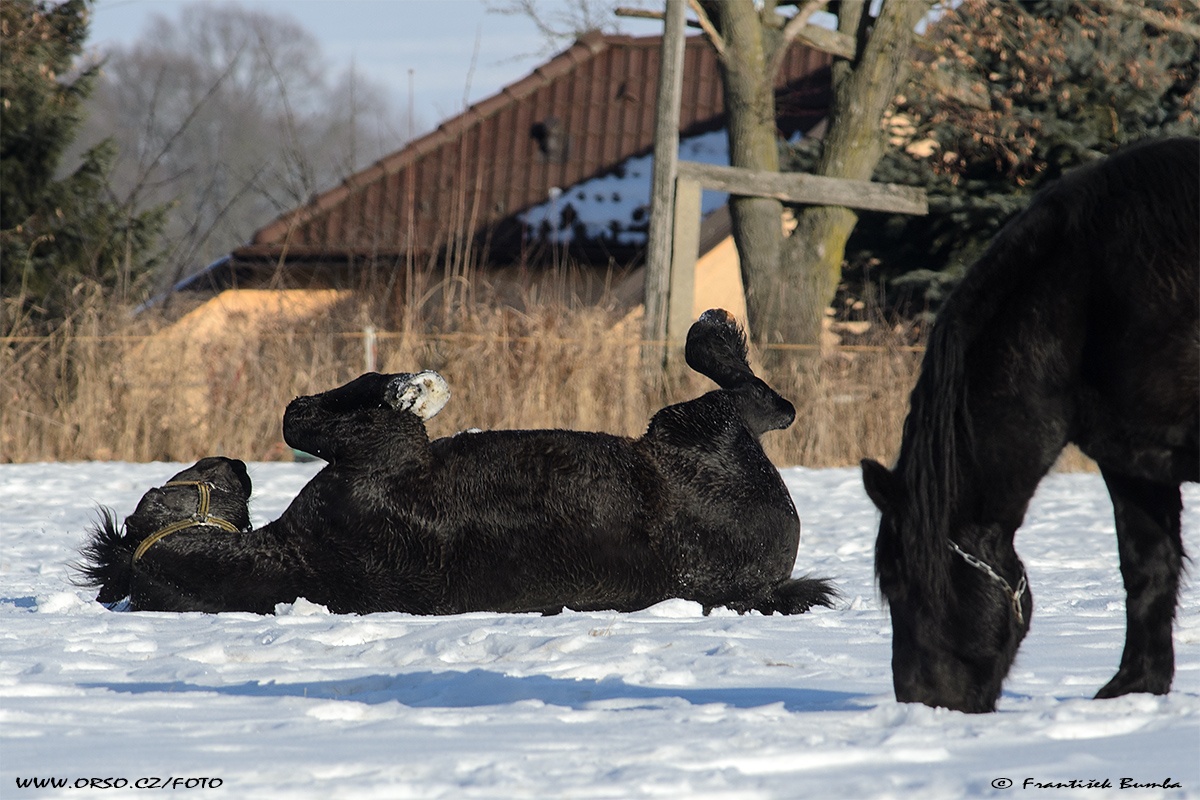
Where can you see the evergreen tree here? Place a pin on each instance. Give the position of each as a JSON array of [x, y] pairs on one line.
[[58, 232], [1038, 88]]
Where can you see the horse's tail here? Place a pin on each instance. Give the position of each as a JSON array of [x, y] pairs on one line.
[[716, 348], [107, 559], [797, 595]]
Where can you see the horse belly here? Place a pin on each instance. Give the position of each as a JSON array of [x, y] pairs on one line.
[[1139, 406], [735, 529], [548, 562], [538, 521]]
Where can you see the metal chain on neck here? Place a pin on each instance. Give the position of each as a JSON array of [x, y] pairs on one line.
[[1014, 595]]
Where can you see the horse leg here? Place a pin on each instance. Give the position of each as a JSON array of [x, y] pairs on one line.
[[360, 416], [1151, 551], [423, 394]]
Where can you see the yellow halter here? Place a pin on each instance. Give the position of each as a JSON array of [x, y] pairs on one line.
[[201, 518]]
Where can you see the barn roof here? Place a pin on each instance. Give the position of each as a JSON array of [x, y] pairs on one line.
[[580, 116]]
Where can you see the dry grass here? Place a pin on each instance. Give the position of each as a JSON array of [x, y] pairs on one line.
[[108, 386], [851, 406]]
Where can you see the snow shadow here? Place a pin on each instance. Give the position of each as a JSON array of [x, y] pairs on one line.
[[480, 688]]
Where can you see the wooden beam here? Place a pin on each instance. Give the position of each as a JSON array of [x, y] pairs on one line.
[[816, 37], [816, 190]]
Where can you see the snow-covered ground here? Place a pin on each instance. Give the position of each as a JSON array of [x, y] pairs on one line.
[[661, 703]]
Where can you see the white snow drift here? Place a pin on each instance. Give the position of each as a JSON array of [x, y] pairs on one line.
[[661, 703]]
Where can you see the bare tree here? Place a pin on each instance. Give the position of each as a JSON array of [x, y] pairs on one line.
[[230, 115], [790, 280], [562, 23]]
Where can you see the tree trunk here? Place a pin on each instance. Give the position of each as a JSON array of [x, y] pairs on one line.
[[790, 281], [812, 257], [750, 115]]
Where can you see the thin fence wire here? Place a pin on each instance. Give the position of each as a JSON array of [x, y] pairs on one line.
[[460, 336]]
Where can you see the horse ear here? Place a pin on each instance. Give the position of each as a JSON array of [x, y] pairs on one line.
[[239, 468], [880, 485]]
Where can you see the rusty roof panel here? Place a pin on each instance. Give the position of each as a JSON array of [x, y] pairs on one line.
[[578, 116]]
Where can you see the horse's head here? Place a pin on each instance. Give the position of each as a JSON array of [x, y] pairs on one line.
[[960, 605], [213, 491]]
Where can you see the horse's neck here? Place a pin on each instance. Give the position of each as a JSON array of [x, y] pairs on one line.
[[976, 452]]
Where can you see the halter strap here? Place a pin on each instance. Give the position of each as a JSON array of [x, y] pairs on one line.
[[200, 519], [1014, 595]]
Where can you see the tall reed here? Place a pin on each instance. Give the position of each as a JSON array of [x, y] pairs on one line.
[[111, 386]]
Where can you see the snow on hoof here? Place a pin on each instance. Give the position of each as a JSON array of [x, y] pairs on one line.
[[424, 394]]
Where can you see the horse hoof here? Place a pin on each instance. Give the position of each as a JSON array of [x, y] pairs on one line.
[[424, 394], [1123, 684]]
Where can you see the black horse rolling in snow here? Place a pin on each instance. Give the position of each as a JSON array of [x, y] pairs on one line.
[[494, 521], [1081, 323]]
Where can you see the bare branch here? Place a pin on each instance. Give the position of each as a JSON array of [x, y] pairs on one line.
[[1155, 18], [560, 22], [791, 31], [182, 128], [194, 241], [709, 29], [956, 88], [796, 24], [703, 22], [291, 149]]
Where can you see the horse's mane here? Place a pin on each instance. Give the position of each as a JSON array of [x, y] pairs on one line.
[[1066, 220]]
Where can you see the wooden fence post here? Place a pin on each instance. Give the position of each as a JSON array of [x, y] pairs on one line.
[[685, 248], [662, 186]]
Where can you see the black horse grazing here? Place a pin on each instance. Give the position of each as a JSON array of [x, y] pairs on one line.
[[492, 521], [1081, 323]]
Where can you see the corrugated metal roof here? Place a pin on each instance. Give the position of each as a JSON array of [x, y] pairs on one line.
[[576, 117]]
